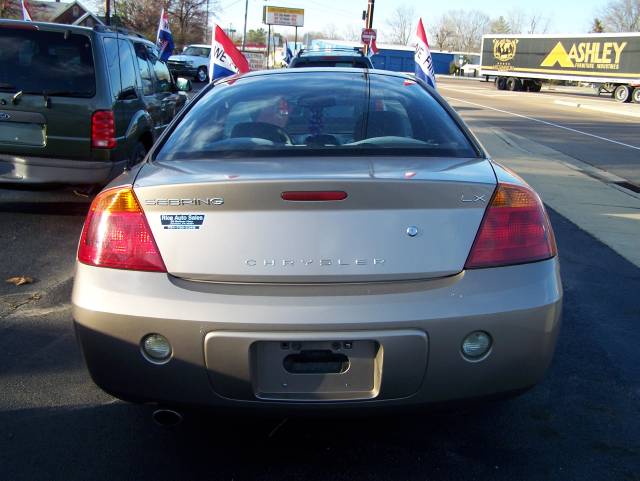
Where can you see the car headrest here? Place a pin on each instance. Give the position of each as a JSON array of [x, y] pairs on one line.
[[260, 130]]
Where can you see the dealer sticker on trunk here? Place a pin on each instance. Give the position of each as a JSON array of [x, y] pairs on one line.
[[182, 221]]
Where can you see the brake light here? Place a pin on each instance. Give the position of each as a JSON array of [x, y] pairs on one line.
[[313, 195], [103, 130], [515, 230], [116, 234]]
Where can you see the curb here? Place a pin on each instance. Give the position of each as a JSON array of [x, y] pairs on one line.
[[597, 108]]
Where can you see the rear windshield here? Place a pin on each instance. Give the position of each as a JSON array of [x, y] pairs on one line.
[[321, 113], [35, 62], [330, 62]]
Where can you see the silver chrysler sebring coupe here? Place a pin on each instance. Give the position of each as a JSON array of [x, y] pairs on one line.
[[317, 238]]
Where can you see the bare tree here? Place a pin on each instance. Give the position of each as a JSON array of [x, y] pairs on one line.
[[516, 18], [442, 34], [621, 16], [331, 32], [401, 25], [538, 23], [352, 32], [470, 26], [9, 9], [187, 18], [460, 30], [522, 21]]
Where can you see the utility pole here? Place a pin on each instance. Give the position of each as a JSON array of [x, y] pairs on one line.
[[244, 33], [107, 12], [369, 21], [206, 27], [370, 14]]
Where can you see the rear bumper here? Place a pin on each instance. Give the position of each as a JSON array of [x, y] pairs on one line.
[[418, 326], [42, 170]]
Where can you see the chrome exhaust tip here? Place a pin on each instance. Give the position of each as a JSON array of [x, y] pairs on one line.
[[166, 417]]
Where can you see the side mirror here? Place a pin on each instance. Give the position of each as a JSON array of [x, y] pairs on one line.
[[183, 84]]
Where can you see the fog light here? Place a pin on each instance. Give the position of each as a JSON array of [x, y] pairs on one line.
[[156, 347], [476, 345]]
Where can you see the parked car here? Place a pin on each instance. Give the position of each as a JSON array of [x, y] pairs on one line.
[[331, 57], [78, 105], [317, 237], [193, 62]]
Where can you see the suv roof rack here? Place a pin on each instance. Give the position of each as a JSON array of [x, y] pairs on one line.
[[121, 30], [327, 50]]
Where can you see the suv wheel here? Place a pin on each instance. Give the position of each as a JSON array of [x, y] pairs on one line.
[[202, 75]]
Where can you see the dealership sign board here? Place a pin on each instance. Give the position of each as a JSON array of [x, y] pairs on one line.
[[291, 17]]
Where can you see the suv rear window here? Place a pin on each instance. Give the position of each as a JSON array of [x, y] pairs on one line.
[[330, 62], [35, 61], [323, 113]]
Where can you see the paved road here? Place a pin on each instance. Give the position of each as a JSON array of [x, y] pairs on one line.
[[582, 422], [605, 140]]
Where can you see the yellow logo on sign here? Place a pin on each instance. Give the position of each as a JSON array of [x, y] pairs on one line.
[[557, 55], [585, 55], [504, 49]]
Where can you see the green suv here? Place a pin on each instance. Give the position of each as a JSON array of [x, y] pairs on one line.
[[79, 105]]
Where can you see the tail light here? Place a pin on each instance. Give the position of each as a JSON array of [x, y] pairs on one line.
[[103, 130], [116, 234], [515, 230]]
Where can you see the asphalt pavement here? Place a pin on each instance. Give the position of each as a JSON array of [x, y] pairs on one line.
[[581, 422], [606, 140]]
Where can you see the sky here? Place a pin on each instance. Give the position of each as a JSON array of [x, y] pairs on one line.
[[567, 16]]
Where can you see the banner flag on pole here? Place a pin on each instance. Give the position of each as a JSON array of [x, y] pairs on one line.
[[226, 59], [26, 16], [373, 48], [164, 40], [424, 62], [288, 54]]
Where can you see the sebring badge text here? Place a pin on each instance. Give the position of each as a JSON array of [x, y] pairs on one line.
[[179, 202]]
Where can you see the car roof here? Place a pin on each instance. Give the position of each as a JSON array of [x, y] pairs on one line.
[[316, 70], [59, 27]]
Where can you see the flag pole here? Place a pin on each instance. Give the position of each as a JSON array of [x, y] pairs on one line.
[[369, 23]]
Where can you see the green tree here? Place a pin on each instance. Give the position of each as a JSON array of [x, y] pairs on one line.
[[596, 26], [257, 36], [500, 25]]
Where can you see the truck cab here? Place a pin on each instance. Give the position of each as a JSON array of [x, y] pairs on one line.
[[193, 62]]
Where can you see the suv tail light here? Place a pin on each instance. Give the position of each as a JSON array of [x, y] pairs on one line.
[[116, 234], [103, 130], [515, 230]]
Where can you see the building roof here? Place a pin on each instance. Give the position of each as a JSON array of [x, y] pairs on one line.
[[58, 12]]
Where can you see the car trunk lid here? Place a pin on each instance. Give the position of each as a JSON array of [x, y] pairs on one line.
[[228, 222]]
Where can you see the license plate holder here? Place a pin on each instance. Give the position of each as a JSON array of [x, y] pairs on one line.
[[318, 370]]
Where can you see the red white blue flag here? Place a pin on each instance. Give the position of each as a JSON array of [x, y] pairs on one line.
[[226, 59], [424, 62], [26, 16], [373, 48], [164, 40]]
